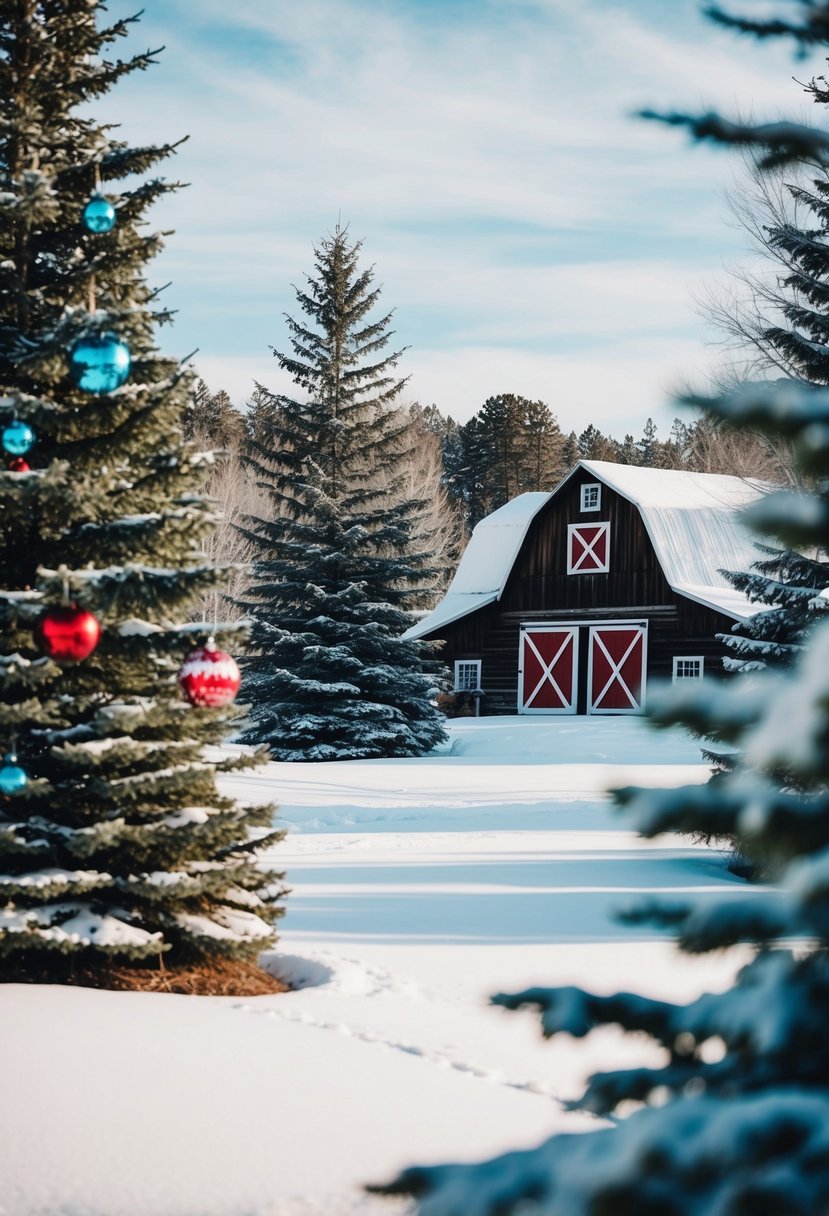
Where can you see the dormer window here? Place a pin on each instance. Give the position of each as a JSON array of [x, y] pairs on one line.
[[591, 496]]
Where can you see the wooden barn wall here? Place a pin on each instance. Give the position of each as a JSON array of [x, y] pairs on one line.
[[539, 589]]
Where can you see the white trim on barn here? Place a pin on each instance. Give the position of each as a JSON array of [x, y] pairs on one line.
[[623, 675], [559, 689], [688, 667], [590, 496], [590, 559], [467, 675]]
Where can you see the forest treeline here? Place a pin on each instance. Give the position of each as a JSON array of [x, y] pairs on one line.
[[462, 471]]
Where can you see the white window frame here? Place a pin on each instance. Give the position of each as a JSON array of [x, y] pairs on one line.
[[687, 658], [470, 663], [586, 503], [571, 569]]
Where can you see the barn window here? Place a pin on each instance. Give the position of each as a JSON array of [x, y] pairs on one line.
[[588, 548], [591, 496], [467, 675], [688, 667]]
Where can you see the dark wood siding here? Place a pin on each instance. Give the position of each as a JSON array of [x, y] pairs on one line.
[[539, 589]]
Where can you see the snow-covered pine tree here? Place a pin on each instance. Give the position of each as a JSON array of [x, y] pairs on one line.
[[120, 848], [789, 582], [735, 1120], [330, 676]]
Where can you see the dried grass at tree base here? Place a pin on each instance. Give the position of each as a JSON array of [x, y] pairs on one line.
[[220, 977]]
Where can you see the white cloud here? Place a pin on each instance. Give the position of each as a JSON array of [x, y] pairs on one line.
[[510, 204]]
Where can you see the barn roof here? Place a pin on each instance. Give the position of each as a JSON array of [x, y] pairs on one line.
[[692, 520]]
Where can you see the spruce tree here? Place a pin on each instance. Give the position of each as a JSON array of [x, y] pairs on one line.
[[119, 848], [734, 1120], [330, 675]]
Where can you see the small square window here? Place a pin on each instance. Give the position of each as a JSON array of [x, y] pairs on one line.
[[591, 496], [467, 675], [688, 667]]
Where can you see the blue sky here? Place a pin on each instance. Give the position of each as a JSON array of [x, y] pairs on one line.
[[531, 235]]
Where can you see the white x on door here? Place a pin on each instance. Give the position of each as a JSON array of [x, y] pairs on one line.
[[548, 670], [616, 661]]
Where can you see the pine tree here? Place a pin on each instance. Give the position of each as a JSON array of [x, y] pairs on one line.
[[570, 453], [544, 445], [593, 445], [119, 848], [330, 676], [212, 418], [648, 445], [789, 582], [735, 1118]]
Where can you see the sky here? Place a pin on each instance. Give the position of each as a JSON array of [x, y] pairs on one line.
[[531, 235]]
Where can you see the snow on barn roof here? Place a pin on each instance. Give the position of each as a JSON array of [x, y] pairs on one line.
[[692, 520], [486, 563]]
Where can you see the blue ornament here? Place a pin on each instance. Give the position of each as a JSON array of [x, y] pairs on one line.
[[18, 437], [12, 777], [100, 363], [99, 214]]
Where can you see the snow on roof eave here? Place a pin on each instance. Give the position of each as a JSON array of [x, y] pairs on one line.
[[716, 600], [437, 619]]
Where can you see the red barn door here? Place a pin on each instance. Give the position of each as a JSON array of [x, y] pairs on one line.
[[548, 670], [616, 669]]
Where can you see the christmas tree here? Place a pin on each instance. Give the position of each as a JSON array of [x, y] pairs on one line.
[[331, 676], [735, 1119], [115, 846]]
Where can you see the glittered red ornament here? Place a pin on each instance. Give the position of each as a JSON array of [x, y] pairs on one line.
[[209, 676], [67, 634], [19, 465]]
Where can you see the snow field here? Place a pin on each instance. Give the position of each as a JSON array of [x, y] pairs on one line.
[[420, 887]]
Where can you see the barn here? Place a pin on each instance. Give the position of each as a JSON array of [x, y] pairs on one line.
[[571, 602]]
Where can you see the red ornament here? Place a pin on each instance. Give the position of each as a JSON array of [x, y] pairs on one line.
[[67, 634], [19, 465], [209, 676]]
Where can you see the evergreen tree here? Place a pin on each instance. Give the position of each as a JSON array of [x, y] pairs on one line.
[[544, 445], [509, 446], [570, 453], [593, 445], [648, 445], [119, 848], [735, 1118], [501, 422], [330, 676], [789, 582], [628, 451], [213, 418], [196, 409]]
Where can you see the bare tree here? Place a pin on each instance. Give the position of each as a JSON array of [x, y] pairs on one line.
[[236, 494]]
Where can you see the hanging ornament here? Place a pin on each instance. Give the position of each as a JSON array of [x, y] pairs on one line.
[[67, 634], [99, 214], [13, 778], [99, 363], [19, 465], [209, 676], [18, 437]]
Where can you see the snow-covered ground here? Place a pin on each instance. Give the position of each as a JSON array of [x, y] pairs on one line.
[[419, 888]]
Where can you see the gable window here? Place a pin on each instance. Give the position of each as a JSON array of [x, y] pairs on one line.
[[588, 548], [591, 496], [688, 667], [467, 675]]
